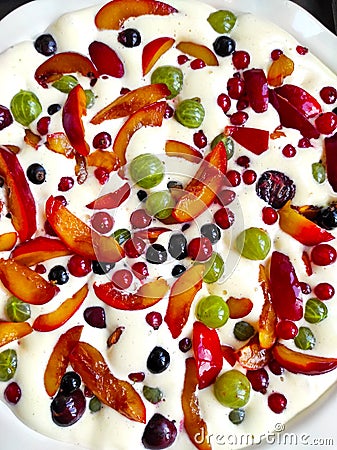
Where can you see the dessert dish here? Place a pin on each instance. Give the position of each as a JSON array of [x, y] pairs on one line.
[[167, 227]]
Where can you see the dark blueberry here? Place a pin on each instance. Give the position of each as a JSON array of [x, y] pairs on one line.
[[156, 254], [36, 173], [46, 45], [158, 360], [224, 46], [70, 382], [177, 246], [185, 227], [101, 268], [53, 109], [275, 188], [174, 185], [129, 37], [327, 217], [211, 231], [178, 270], [185, 345], [6, 117], [95, 316], [58, 275], [159, 433], [142, 195], [67, 409]]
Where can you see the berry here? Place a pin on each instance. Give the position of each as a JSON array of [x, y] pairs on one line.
[[275, 188], [226, 197], [6, 118], [102, 140], [327, 217], [240, 59], [177, 246], [324, 291], [224, 46], [42, 125], [249, 176], [12, 393], [275, 367], [301, 50], [304, 143], [122, 279], [286, 329], [275, 54], [102, 268], [158, 360], [140, 219], [200, 249], [239, 118], [224, 102], [243, 161], [178, 270], [185, 345], [142, 195], [159, 433], [134, 247], [182, 59], [328, 94], [154, 319], [289, 151], [211, 231], [79, 266], [70, 382], [233, 178], [200, 139], [277, 402], [197, 64], [53, 109], [235, 87], [58, 275], [65, 184], [156, 254], [46, 45], [102, 175], [326, 123], [95, 316], [269, 215], [137, 377], [224, 218], [140, 270], [129, 37], [259, 380], [102, 222], [36, 173], [174, 185], [323, 255], [305, 288], [68, 409]]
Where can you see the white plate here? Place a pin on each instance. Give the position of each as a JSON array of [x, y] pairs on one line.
[[314, 427]]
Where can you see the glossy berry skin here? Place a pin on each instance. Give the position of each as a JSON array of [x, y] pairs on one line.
[[275, 54], [323, 255], [158, 360], [137, 377], [6, 117], [65, 184], [140, 219], [102, 140], [102, 222], [78, 266], [324, 291], [328, 94], [58, 275], [235, 87], [326, 123], [159, 433], [102, 268], [95, 316], [122, 279], [185, 345], [12, 393], [277, 402], [42, 125], [233, 178], [200, 249], [102, 175], [327, 217], [275, 188], [197, 64], [240, 59], [156, 254], [140, 270], [289, 151], [269, 215], [243, 161], [275, 367], [129, 37], [68, 409], [46, 45], [70, 382], [177, 246], [36, 173], [142, 195], [239, 118], [259, 380], [154, 319], [211, 231], [286, 329], [224, 46], [134, 247], [224, 102], [249, 176], [200, 139], [178, 270], [54, 108], [224, 218]]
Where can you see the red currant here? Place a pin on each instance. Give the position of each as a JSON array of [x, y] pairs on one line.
[[289, 151], [323, 255], [140, 219], [235, 87], [259, 380], [42, 125], [269, 215], [275, 367], [324, 291], [239, 118], [200, 249], [65, 184], [102, 222], [197, 64], [124, 90], [304, 143], [233, 178], [249, 176], [226, 197], [102, 175], [286, 329], [140, 270], [224, 218], [326, 123], [137, 377], [275, 54], [182, 59], [328, 94], [242, 103], [102, 140], [134, 247], [79, 266], [200, 139], [277, 402], [12, 393], [240, 59], [301, 50], [122, 279], [154, 319], [305, 288], [224, 102], [243, 161]]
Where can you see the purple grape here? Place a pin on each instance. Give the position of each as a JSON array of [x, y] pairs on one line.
[[68, 409], [6, 118], [95, 316], [159, 433]]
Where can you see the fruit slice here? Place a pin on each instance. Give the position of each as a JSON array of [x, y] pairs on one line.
[[182, 150], [73, 110], [150, 234], [257, 89], [147, 295], [304, 102], [252, 139], [301, 228], [112, 15], [198, 51], [7, 241], [120, 395], [286, 292], [129, 103], [80, 238], [330, 144], [55, 319], [11, 331], [38, 250], [194, 424], [26, 284], [59, 143], [207, 353], [107, 160], [62, 63], [239, 307], [106, 60], [202, 190], [267, 319], [279, 69], [150, 115], [21, 203], [290, 117], [297, 362], [252, 356], [112, 199], [153, 50], [59, 359], [182, 294]]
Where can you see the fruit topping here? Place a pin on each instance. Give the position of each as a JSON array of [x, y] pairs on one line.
[[198, 51], [8, 364], [68, 409], [253, 243], [158, 360], [45, 44], [224, 46], [153, 50], [6, 117], [279, 69], [232, 389], [106, 60], [253, 139], [129, 37], [304, 102], [257, 89], [190, 113], [181, 150], [12, 331], [222, 21], [213, 311], [159, 433], [275, 188]]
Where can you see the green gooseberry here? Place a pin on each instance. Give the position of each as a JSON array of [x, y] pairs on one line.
[[214, 268], [318, 172], [17, 310], [25, 107], [146, 170], [190, 113], [253, 243], [305, 339], [213, 311], [90, 98], [65, 84], [222, 21], [315, 310], [243, 330], [228, 143], [232, 389], [121, 235], [159, 204], [95, 404], [153, 395], [171, 76], [8, 364]]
